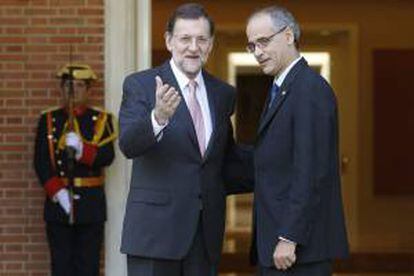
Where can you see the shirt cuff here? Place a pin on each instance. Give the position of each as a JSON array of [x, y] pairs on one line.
[[286, 240], [53, 185], [88, 154], [157, 128]]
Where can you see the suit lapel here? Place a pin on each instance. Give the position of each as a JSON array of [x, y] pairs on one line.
[[182, 113], [268, 115]]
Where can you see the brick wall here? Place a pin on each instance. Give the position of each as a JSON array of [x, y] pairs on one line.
[[34, 42]]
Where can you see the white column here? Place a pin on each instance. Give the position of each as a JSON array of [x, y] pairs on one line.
[[127, 49]]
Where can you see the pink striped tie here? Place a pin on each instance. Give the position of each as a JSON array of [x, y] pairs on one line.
[[196, 115]]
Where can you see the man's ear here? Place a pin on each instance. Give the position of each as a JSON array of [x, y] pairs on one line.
[[211, 44], [290, 36], [167, 38]]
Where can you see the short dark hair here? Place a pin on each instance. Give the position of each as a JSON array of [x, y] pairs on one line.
[[189, 11]]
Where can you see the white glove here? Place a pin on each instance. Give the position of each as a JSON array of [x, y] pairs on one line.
[[74, 141], [62, 196]]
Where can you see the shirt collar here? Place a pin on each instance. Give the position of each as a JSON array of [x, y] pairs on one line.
[[182, 79], [281, 78]]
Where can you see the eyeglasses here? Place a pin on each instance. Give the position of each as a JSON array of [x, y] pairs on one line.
[[262, 42], [186, 40]]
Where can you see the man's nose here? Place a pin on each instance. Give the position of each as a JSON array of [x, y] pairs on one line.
[[257, 52], [193, 45]]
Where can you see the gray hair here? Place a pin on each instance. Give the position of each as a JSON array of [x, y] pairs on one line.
[[281, 18]]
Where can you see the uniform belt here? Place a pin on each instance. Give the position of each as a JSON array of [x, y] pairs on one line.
[[85, 181]]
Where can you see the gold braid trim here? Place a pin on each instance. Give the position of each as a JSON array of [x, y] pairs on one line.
[[49, 139], [101, 125], [113, 133]]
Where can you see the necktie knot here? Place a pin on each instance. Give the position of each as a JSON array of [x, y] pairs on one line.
[[192, 86], [273, 93]]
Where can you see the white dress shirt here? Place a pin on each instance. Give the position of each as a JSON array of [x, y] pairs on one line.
[[201, 94], [281, 78]]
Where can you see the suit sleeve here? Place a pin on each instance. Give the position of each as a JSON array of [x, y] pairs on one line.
[[238, 162], [136, 132], [42, 163], [313, 126]]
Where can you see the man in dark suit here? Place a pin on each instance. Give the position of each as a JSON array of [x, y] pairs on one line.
[[175, 125], [75, 213], [299, 221]]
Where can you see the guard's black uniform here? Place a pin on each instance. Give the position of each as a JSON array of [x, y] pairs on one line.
[[75, 249]]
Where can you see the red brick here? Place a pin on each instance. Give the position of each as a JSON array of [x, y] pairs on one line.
[[90, 11], [14, 157], [39, 11], [14, 84], [14, 30], [40, 30], [14, 48], [39, 2], [14, 66], [95, 21], [14, 139], [67, 2], [15, 148], [37, 266], [38, 21], [13, 129], [12, 184], [13, 75], [69, 30], [36, 248], [40, 256], [67, 39], [38, 84], [14, 257], [14, 102], [11, 57], [95, 39], [66, 21], [13, 238], [14, 266], [95, 2], [97, 30], [13, 11], [67, 11], [5, 21], [14, 211], [13, 247], [37, 39]]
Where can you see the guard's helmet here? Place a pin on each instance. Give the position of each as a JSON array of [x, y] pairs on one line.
[[79, 72]]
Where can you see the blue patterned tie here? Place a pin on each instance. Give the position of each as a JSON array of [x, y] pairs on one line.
[[273, 93]]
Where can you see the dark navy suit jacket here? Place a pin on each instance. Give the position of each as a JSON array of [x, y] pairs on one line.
[[297, 181], [170, 180]]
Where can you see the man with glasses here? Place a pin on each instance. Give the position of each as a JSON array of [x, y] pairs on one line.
[[175, 125], [298, 214]]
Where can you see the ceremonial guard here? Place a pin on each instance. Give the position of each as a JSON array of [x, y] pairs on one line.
[[74, 143]]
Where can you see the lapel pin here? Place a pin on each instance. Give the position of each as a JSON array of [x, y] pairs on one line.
[[283, 92]]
